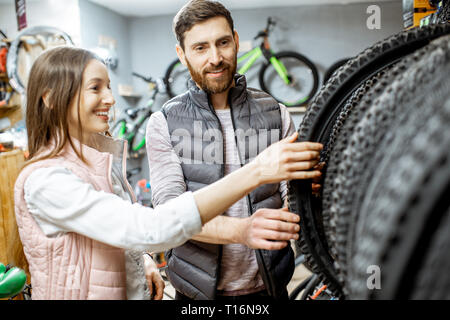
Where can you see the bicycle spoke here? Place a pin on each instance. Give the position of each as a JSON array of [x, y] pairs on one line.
[[289, 80], [177, 78]]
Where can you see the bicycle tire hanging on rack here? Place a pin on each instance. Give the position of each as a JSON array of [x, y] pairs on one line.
[[321, 241], [31, 42]]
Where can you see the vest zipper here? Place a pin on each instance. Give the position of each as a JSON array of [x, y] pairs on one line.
[[223, 174], [258, 252]]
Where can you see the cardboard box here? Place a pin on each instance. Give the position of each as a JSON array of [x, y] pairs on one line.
[[414, 11]]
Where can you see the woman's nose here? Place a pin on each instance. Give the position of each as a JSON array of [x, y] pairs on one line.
[[108, 98]]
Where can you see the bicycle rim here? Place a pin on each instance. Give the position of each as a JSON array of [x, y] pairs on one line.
[[47, 37], [177, 78], [138, 143], [303, 79], [119, 129]]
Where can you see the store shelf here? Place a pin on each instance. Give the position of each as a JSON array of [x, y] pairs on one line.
[[297, 109], [134, 95]]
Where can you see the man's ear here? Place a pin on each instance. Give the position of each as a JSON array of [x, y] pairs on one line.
[[180, 54], [236, 40], [46, 98]]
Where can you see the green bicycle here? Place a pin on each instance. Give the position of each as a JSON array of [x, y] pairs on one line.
[[132, 124], [289, 77]]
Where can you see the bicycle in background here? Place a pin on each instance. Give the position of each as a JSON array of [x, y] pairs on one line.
[[132, 124], [288, 76]]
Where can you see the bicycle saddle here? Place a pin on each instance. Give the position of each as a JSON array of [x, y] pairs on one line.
[[12, 281], [133, 113]]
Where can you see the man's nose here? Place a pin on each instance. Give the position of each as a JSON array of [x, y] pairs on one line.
[[215, 56]]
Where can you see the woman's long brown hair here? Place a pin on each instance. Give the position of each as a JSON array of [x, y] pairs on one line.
[[58, 73]]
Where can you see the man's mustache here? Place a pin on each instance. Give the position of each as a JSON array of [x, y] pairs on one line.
[[220, 66]]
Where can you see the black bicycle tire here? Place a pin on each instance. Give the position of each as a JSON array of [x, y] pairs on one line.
[[370, 135], [304, 60], [339, 88], [394, 252], [407, 217], [357, 172], [168, 75], [334, 67], [434, 289], [332, 157], [444, 13], [340, 84]]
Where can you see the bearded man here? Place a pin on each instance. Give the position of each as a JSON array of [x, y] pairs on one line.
[[217, 126]]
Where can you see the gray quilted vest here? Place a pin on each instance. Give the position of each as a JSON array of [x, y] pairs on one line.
[[196, 136]]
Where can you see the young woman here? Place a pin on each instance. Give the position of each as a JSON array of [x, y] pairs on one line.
[[83, 235]]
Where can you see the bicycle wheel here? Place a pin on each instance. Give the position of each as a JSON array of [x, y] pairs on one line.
[[317, 126], [119, 129], [339, 63], [20, 59], [395, 225], [302, 75], [138, 142], [176, 78]]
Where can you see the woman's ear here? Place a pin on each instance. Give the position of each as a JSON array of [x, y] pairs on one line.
[[46, 98]]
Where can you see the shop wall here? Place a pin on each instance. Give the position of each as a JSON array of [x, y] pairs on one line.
[[64, 15], [322, 33], [97, 21], [85, 22]]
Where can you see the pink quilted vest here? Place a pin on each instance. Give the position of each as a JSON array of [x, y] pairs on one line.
[[72, 266]]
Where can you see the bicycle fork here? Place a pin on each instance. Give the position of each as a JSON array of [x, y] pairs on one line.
[[255, 53]]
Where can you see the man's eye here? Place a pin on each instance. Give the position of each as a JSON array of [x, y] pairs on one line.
[[224, 42], [95, 88], [199, 48]]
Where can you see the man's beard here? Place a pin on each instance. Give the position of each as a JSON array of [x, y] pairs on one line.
[[210, 85]]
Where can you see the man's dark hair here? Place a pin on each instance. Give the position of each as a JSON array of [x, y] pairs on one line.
[[196, 11]]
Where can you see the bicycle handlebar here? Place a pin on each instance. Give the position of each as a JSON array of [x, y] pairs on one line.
[[270, 22], [12, 281], [265, 32], [149, 79]]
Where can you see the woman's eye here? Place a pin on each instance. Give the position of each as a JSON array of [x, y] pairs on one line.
[[95, 88]]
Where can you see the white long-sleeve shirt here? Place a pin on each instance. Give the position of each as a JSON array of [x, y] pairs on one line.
[[61, 202]]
